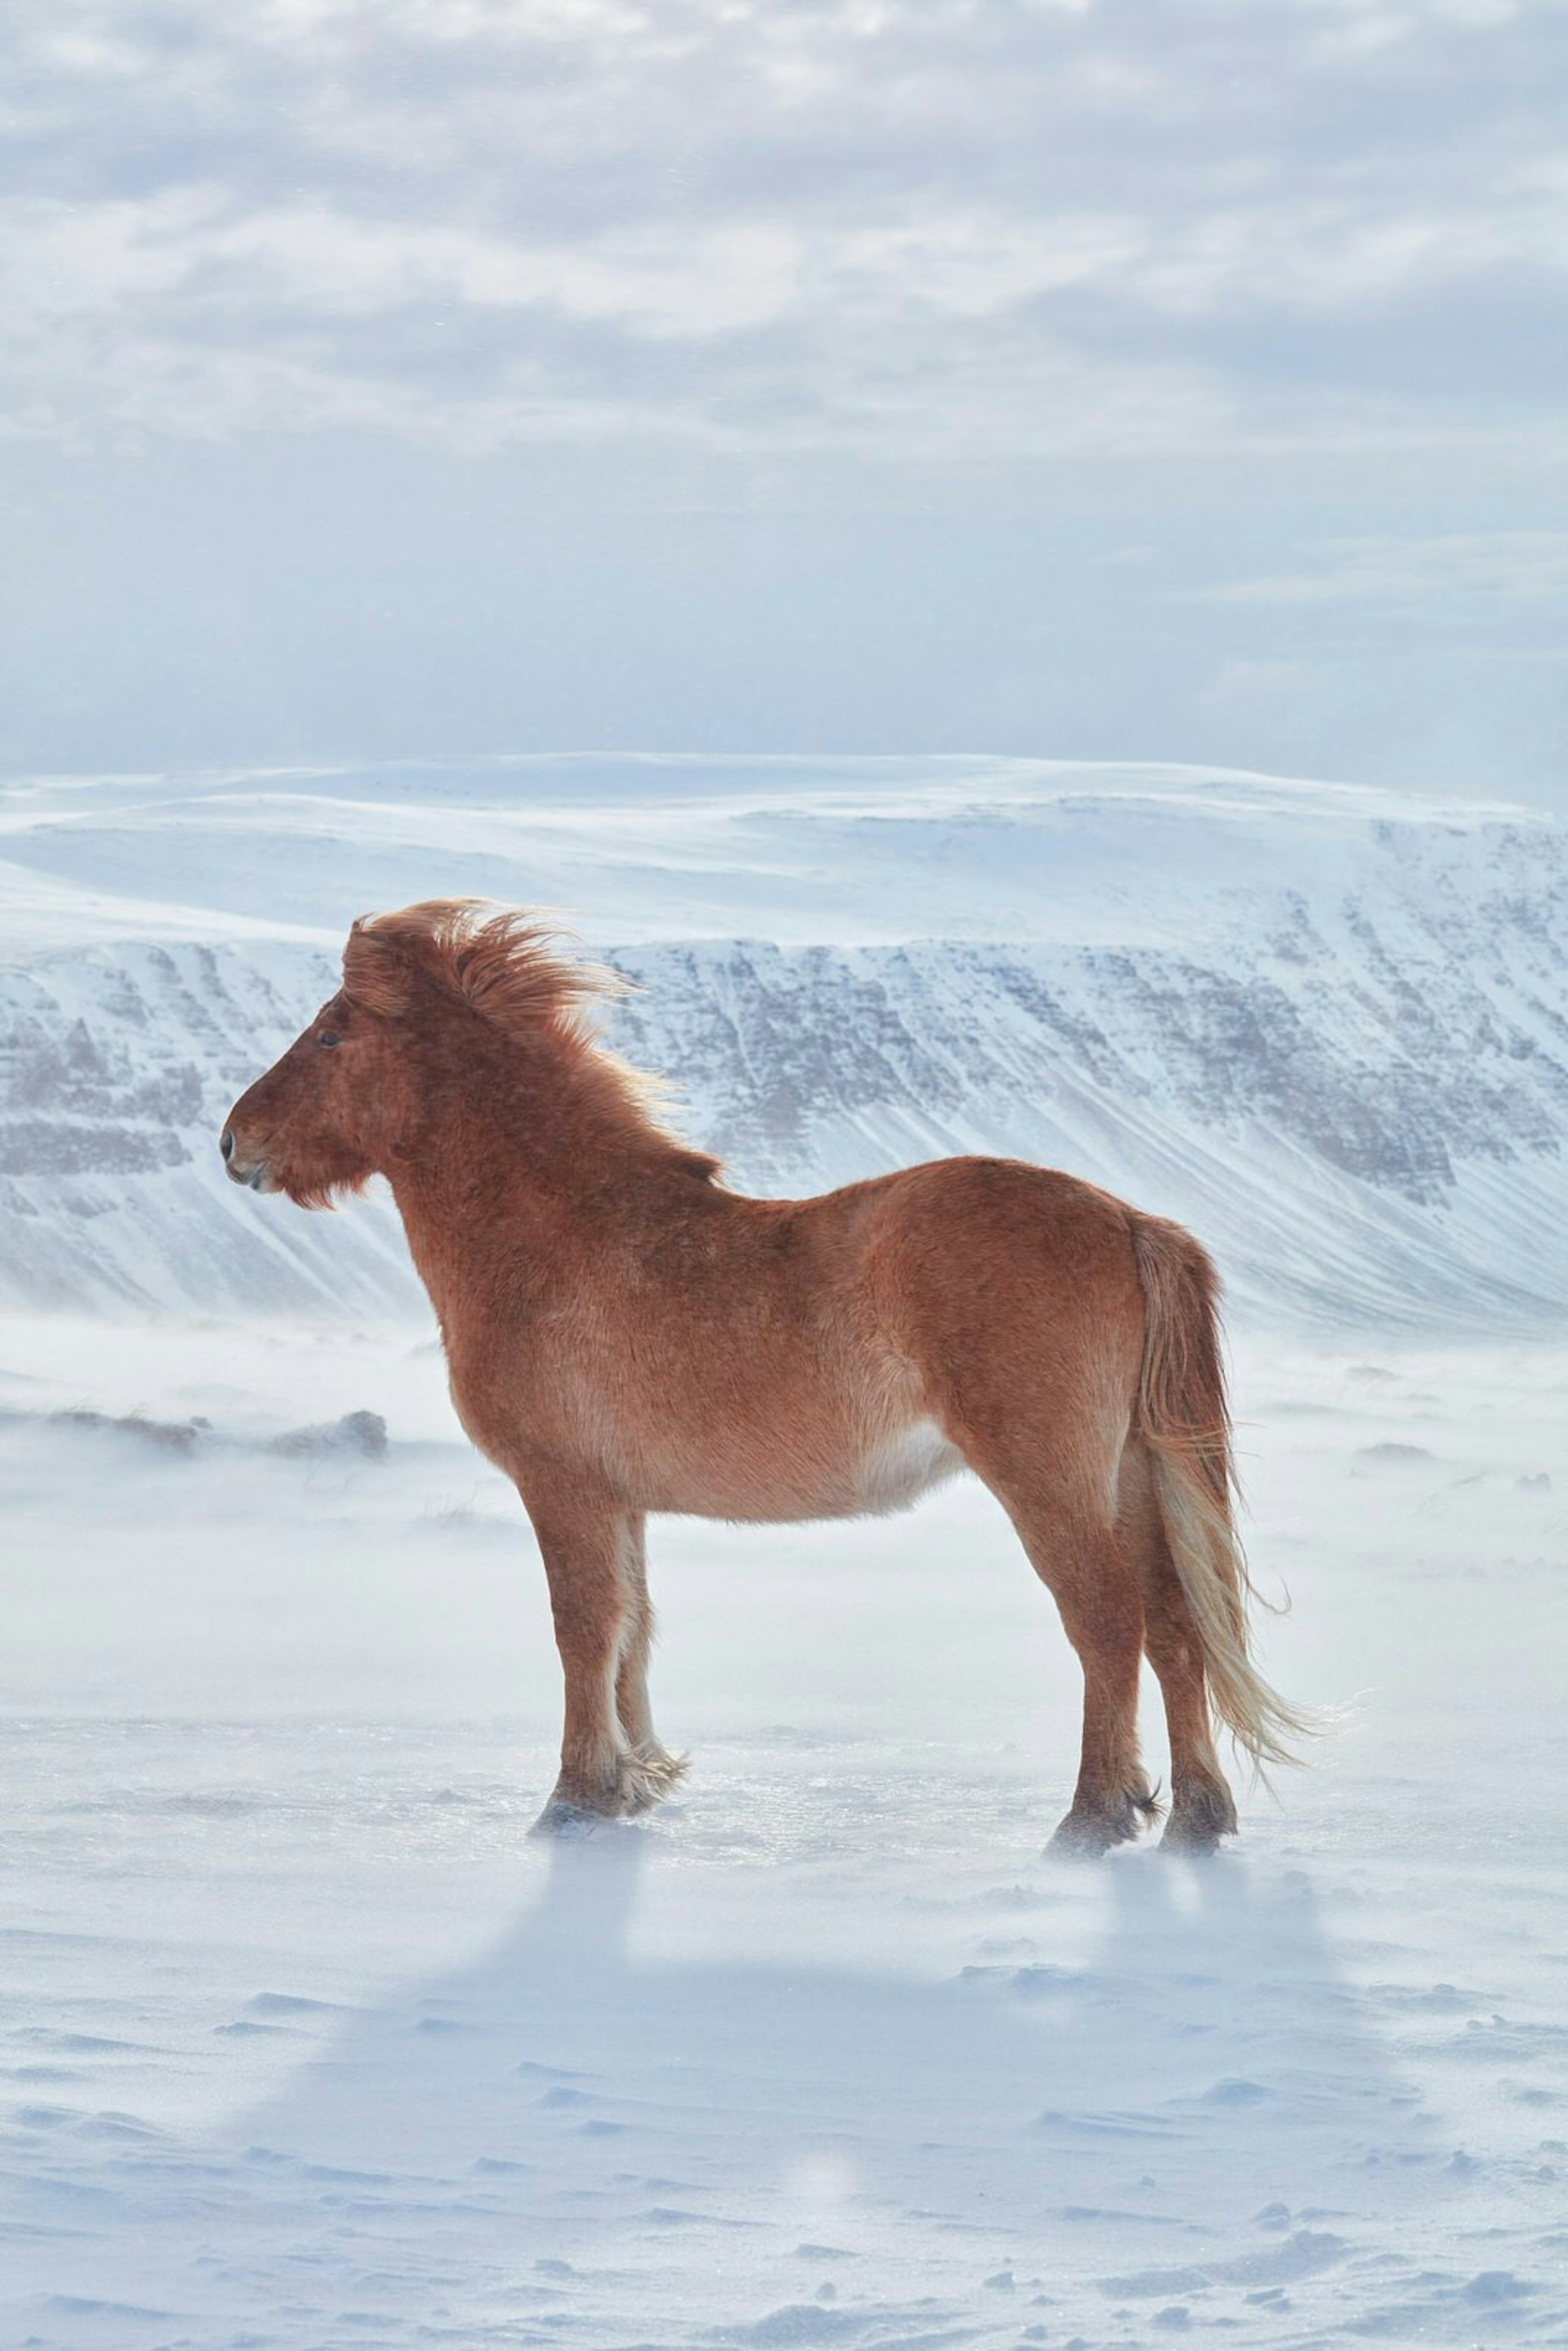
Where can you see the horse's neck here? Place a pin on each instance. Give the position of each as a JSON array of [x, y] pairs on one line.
[[498, 1180], [446, 1219]]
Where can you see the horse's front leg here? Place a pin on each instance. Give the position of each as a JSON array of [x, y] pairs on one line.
[[588, 1541], [657, 1769]]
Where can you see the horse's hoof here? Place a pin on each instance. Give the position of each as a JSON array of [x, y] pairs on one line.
[[1198, 1821], [1087, 1835], [1080, 1841], [1088, 1839], [1192, 1844], [563, 1818], [1194, 1840]]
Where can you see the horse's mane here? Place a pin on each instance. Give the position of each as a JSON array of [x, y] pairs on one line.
[[509, 966]]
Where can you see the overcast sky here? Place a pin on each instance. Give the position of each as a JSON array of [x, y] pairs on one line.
[[1177, 379]]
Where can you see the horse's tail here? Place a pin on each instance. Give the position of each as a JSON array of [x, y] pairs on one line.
[[1184, 1420]]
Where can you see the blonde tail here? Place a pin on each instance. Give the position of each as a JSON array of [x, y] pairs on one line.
[[1184, 1420]]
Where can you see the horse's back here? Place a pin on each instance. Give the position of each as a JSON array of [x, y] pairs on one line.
[[987, 1239]]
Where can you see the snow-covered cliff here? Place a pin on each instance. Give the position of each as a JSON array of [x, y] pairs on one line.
[[1327, 1028]]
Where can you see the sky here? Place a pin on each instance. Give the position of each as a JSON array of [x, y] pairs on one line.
[[1123, 378]]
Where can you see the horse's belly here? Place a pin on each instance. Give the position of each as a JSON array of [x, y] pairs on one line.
[[772, 1480], [899, 1469]]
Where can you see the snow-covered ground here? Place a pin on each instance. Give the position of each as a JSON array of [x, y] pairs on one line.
[[306, 2046]]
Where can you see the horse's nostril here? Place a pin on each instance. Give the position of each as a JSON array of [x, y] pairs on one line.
[[227, 1145]]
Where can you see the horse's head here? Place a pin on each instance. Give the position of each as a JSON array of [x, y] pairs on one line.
[[448, 1002], [330, 1113]]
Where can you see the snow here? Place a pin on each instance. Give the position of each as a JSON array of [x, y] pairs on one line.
[[1323, 1026], [305, 2044]]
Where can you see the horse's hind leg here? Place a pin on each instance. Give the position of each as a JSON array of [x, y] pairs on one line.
[[1079, 1553], [658, 1768], [1202, 1807], [1102, 1610]]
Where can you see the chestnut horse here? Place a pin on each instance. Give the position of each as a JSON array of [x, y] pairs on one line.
[[625, 1335]]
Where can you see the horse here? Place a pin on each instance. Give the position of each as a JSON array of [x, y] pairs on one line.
[[625, 1335]]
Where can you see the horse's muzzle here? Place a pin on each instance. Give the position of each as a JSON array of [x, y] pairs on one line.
[[253, 1175]]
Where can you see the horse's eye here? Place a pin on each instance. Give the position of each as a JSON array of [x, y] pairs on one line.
[[329, 1037]]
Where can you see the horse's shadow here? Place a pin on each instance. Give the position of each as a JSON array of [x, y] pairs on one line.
[[1204, 2061]]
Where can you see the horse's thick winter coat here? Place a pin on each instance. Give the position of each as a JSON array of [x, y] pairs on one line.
[[626, 1335]]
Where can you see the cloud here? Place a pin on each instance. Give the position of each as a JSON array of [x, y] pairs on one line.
[[981, 227], [1466, 574]]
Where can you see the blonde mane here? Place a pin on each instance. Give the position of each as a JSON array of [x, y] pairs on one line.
[[510, 966]]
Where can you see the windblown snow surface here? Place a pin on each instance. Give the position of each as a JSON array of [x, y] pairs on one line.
[[305, 2044]]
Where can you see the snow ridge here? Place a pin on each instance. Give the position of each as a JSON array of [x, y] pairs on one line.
[[1328, 1028]]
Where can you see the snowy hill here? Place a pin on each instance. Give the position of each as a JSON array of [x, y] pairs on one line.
[[1328, 1027]]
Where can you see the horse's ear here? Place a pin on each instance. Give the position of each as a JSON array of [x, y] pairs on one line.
[[376, 972]]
